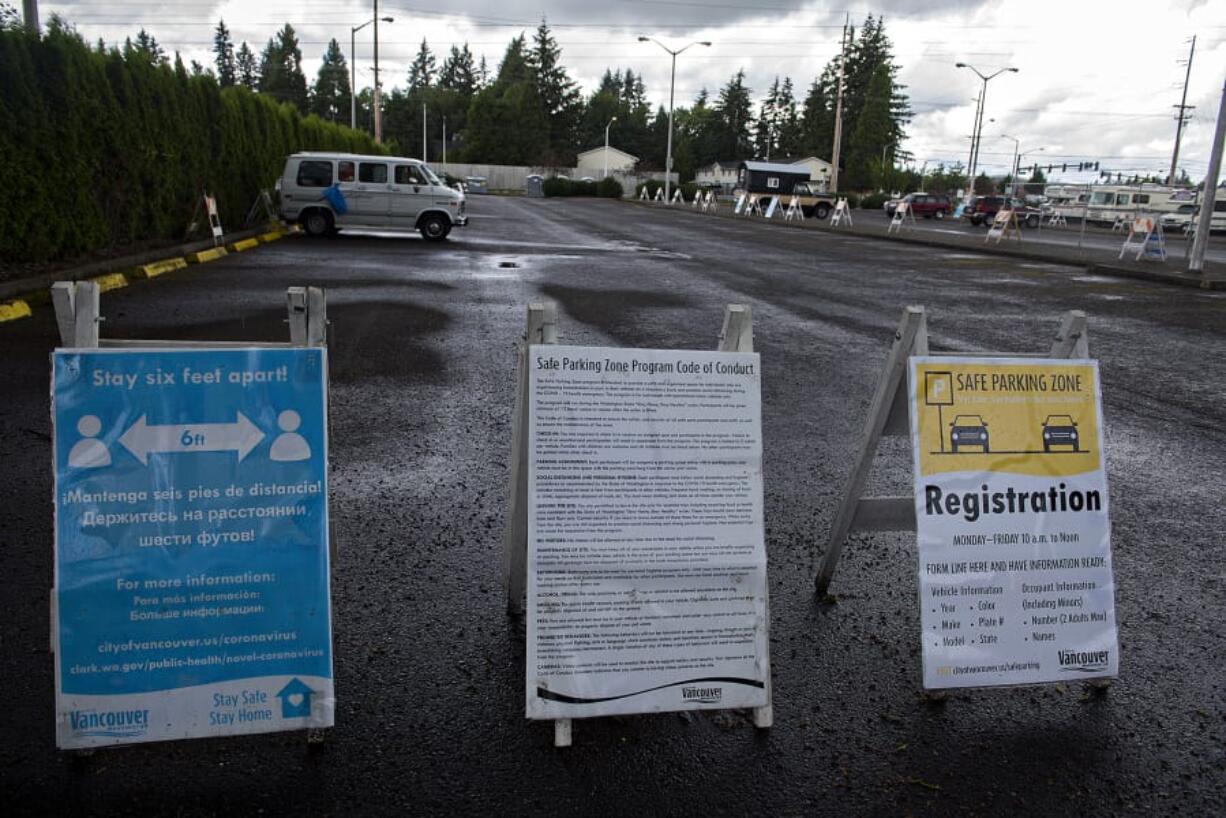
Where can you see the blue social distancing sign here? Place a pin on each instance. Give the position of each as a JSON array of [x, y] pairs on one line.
[[191, 543]]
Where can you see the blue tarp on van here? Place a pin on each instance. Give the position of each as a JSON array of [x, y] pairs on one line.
[[336, 199]]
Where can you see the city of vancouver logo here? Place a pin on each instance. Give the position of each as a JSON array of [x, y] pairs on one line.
[[109, 723], [702, 695], [1083, 661]]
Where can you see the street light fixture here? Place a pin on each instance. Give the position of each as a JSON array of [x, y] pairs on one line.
[[672, 83], [353, 69], [974, 160], [606, 147]]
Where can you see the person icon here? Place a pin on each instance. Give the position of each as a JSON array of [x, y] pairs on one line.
[[89, 453], [289, 445]]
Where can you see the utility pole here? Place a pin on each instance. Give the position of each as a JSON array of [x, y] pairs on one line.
[[444, 140], [377, 98], [1182, 116], [970, 160], [1196, 263], [838, 111], [29, 14], [424, 152]]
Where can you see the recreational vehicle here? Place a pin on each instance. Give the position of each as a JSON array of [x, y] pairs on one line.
[[1107, 203]]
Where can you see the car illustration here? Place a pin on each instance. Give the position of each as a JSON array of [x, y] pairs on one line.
[[968, 430], [1059, 430]]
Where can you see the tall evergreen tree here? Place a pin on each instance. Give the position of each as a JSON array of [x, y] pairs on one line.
[[281, 74], [247, 71], [559, 94], [788, 141], [422, 69], [459, 72], [766, 136], [817, 117], [223, 55], [735, 115], [506, 120], [872, 142], [330, 96], [146, 47]]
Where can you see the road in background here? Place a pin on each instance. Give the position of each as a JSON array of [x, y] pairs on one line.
[[429, 670]]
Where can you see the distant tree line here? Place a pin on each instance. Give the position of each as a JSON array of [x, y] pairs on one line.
[[110, 147], [530, 112]]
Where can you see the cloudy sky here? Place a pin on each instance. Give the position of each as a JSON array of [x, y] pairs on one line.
[[1097, 80]]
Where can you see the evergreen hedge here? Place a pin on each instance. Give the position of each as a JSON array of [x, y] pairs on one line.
[[608, 187], [105, 149]]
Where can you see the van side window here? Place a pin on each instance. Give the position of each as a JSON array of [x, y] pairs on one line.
[[313, 173], [344, 171], [408, 175], [373, 172], [772, 182], [1141, 198], [1121, 198]]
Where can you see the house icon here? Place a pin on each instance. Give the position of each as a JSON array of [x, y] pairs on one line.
[[295, 700]]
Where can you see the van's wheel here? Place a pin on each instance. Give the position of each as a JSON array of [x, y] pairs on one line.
[[822, 210], [434, 228], [1032, 221], [317, 223]]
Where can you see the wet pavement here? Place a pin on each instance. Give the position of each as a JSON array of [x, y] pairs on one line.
[[429, 669]]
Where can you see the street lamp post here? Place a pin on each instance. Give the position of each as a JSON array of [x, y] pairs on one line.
[[672, 83], [353, 70], [983, 93], [606, 146]]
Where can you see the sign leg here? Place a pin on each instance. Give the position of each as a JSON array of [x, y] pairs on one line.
[[541, 329], [912, 333]]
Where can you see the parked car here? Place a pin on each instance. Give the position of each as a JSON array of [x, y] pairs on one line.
[[1059, 430], [983, 209], [926, 205], [325, 192], [968, 430]]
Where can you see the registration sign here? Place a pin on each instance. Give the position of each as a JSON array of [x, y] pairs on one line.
[[1013, 522]]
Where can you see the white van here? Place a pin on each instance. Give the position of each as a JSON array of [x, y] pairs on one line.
[[374, 191]]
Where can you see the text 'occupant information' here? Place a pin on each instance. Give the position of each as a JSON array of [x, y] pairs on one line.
[[191, 543], [646, 558], [1013, 529]]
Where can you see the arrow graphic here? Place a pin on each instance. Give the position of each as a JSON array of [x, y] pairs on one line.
[[241, 436]]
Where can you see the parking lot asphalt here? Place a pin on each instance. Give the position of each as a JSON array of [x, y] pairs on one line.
[[429, 669]]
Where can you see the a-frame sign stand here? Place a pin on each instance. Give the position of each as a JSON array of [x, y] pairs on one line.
[[78, 316], [888, 415], [735, 336]]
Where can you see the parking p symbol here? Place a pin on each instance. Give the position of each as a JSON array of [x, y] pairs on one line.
[[939, 388]]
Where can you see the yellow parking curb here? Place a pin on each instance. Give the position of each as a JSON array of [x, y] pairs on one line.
[[211, 254], [12, 310], [110, 281], [271, 235], [240, 246], [157, 268]]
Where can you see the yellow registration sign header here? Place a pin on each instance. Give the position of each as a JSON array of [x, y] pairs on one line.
[[1034, 417]]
